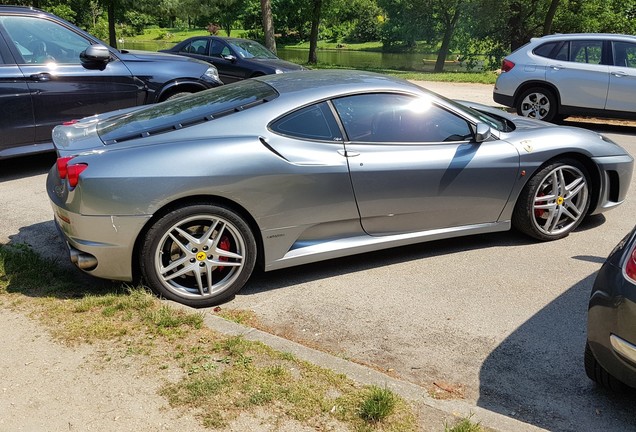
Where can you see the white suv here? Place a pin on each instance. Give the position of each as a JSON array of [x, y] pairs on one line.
[[571, 74]]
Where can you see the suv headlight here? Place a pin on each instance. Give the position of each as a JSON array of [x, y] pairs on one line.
[[212, 73]]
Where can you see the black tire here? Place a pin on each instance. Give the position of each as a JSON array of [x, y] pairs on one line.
[[200, 255], [539, 103], [565, 185], [177, 95], [599, 375]]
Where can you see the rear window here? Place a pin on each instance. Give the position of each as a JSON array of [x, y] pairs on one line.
[[187, 111], [546, 50]]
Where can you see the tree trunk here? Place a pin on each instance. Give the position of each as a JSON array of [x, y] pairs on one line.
[[448, 34], [547, 24], [268, 25], [313, 37], [112, 36]]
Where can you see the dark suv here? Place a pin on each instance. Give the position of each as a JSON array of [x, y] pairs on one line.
[[52, 72]]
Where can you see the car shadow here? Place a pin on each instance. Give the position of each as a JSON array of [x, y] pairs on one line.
[[43, 239], [625, 127], [26, 166], [289, 277], [536, 375]]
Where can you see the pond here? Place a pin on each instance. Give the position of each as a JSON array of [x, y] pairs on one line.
[[338, 57]]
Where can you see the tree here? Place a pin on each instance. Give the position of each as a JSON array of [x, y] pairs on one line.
[[448, 14], [313, 36], [268, 25]]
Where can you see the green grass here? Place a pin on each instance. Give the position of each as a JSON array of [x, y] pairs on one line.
[[222, 377], [464, 425]]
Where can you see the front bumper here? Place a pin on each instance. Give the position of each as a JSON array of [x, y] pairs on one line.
[[616, 176]]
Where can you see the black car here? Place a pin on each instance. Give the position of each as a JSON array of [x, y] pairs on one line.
[[610, 352], [52, 72], [236, 59]]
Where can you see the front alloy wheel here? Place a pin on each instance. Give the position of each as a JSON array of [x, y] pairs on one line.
[[554, 202], [198, 255]]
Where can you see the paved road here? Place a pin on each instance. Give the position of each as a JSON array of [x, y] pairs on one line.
[[498, 318]]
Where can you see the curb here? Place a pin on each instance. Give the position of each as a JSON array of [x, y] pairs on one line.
[[438, 413]]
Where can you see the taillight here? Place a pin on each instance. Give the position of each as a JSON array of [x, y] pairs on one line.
[[62, 164], [70, 171], [630, 265], [70, 122], [506, 65]]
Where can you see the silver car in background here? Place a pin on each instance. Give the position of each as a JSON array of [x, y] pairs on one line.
[[571, 74], [289, 169]]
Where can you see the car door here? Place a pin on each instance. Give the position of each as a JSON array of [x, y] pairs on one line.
[[414, 167], [61, 87], [228, 62], [622, 78], [16, 106], [578, 73]]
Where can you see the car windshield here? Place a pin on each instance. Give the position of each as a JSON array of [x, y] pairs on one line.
[[186, 111], [495, 122], [250, 49]]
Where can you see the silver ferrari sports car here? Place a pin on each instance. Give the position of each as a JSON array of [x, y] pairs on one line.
[[281, 170]]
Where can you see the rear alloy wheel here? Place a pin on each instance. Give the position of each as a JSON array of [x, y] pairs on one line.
[[199, 255], [554, 201], [538, 103]]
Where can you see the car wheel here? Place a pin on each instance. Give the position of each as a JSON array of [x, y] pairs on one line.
[[199, 255], [554, 201], [539, 103], [599, 375], [177, 95]]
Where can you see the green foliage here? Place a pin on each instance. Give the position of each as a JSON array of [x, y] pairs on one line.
[[63, 11], [377, 405], [464, 425]]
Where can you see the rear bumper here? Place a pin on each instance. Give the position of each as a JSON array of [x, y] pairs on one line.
[[611, 325], [109, 252], [503, 99]]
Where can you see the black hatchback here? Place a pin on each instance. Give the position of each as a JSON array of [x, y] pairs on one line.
[[52, 72], [610, 352]]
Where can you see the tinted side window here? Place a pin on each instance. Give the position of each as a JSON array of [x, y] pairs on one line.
[[546, 50], [624, 54], [39, 40], [219, 49], [198, 46], [312, 122], [586, 52], [386, 117]]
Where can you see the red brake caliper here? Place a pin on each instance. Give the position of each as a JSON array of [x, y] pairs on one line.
[[224, 244], [538, 213]]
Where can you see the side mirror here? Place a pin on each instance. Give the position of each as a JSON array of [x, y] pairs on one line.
[[95, 54], [482, 132], [230, 57]]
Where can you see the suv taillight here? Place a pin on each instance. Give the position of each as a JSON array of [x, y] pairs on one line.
[[69, 171], [506, 65], [630, 265]]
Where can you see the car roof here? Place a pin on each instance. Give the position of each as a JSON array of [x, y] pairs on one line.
[[588, 36], [22, 9], [326, 83]]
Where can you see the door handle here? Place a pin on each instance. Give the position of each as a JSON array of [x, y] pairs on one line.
[[556, 67], [619, 74], [42, 76]]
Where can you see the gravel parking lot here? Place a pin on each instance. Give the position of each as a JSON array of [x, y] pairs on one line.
[[497, 320]]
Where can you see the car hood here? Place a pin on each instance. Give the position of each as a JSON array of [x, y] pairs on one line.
[[283, 65], [150, 56]]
